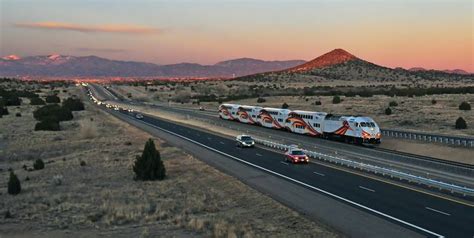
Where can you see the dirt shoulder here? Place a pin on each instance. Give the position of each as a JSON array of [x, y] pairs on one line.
[[102, 199]]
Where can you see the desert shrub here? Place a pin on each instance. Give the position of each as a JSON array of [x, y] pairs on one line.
[[182, 97], [393, 104], [53, 99], [37, 101], [47, 125], [465, 106], [57, 180], [14, 186], [433, 101], [460, 123], [53, 112], [285, 106], [73, 104], [18, 114], [388, 111], [317, 103], [8, 215], [336, 99], [3, 111], [261, 100], [82, 163], [149, 165], [39, 164]]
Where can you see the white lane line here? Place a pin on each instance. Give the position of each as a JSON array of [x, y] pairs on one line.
[[209, 138], [222, 142], [285, 163], [297, 181], [438, 211], [320, 174], [257, 154], [368, 189]]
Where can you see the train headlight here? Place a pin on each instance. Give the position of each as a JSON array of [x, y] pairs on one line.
[[378, 135]]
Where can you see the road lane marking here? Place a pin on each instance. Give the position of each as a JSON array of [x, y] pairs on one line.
[[320, 174], [209, 138], [296, 181], [285, 163], [222, 142], [257, 154], [438, 211], [368, 189]]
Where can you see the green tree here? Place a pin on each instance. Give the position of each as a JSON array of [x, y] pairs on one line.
[[461, 123], [388, 111], [336, 99], [53, 99], [149, 165], [14, 186], [39, 164], [37, 101], [393, 104], [465, 106], [285, 106]]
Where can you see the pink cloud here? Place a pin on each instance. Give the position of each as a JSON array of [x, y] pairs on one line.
[[124, 29]]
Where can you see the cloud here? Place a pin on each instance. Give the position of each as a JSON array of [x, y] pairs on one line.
[[102, 50], [124, 29]]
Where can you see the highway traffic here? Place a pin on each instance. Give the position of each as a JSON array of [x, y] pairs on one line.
[[421, 212]]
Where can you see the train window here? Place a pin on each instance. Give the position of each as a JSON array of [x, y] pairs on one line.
[[356, 124], [362, 124], [316, 125], [253, 116], [372, 124], [258, 116], [280, 120], [233, 113]]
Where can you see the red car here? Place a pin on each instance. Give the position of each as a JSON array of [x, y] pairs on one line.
[[296, 156]]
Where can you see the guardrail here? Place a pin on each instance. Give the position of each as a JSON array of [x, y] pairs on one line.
[[453, 188], [451, 140]]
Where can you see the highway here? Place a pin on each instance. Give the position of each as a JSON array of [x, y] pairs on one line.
[[446, 171], [420, 212]]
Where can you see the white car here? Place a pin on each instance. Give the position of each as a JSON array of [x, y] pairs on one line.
[[245, 141], [139, 116]]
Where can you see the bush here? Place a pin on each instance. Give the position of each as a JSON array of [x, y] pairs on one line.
[[14, 186], [336, 99], [285, 106], [388, 111], [82, 163], [18, 114], [47, 125], [3, 111], [53, 99], [52, 112], [149, 166], [393, 104], [261, 100], [39, 164], [317, 103], [73, 104], [461, 123], [37, 101], [433, 101], [465, 106]]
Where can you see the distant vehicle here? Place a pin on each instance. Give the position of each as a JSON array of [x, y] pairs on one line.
[[139, 116], [295, 155], [116, 108], [202, 109], [245, 141]]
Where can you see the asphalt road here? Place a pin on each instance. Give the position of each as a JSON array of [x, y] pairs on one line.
[[425, 214]]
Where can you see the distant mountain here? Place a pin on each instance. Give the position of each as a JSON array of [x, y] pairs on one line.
[[339, 64], [93, 66], [334, 57], [449, 71]]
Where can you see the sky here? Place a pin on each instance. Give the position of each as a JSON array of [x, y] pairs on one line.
[[434, 34]]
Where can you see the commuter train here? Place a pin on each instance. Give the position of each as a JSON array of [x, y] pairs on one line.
[[351, 129]]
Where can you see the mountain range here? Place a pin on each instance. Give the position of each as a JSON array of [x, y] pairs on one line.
[[336, 64], [93, 66]]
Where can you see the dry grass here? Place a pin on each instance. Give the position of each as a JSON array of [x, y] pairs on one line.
[[101, 198]]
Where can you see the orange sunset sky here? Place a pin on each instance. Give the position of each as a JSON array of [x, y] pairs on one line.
[[434, 34]]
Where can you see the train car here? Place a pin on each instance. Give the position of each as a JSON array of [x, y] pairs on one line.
[[273, 117], [305, 122], [351, 129], [228, 111], [248, 114]]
